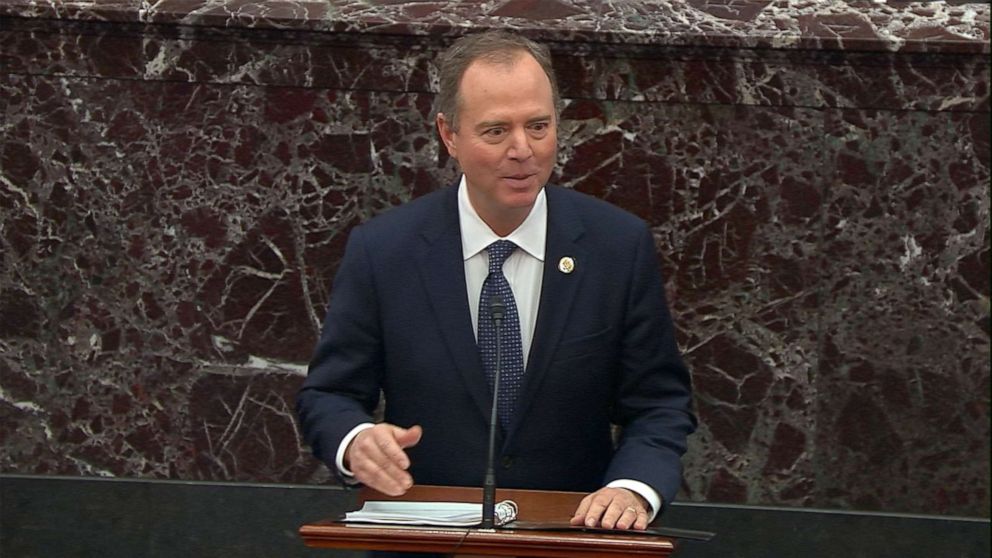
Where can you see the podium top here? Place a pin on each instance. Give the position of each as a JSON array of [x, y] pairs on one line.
[[536, 506]]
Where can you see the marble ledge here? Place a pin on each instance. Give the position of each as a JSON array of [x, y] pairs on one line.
[[859, 25]]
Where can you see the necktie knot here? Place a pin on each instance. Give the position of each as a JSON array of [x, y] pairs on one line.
[[498, 252]]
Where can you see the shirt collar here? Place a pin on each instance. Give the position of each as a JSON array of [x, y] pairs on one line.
[[476, 234]]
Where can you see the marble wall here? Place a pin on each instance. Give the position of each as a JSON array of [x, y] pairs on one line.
[[178, 182]]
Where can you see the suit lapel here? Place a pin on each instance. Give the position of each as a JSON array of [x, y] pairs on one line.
[[558, 291], [443, 271]]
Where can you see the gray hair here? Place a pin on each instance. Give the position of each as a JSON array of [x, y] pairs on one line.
[[497, 47]]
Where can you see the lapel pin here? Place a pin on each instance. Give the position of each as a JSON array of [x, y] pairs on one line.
[[566, 265]]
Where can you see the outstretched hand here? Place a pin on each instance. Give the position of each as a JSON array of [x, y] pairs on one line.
[[612, 508], [377, 458]]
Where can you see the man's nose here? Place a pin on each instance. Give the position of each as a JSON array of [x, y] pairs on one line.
[[519, 148]]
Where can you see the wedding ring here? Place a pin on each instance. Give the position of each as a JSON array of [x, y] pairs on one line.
[[632, 508]]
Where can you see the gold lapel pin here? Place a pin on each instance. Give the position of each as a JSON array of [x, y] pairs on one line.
[[566, 265]]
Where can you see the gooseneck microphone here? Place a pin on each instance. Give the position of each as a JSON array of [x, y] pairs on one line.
[[497, 310]]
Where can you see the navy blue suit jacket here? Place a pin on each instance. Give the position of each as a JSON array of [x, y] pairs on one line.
[[603, 352]]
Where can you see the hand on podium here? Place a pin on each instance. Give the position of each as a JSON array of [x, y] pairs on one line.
[[377, 459], [612, 508]]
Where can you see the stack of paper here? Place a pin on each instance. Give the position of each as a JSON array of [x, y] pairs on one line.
[[448, 514]]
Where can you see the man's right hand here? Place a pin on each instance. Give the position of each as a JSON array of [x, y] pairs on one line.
[[376, 457]]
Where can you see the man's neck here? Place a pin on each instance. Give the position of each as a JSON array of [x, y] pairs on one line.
[[504, 228], [502, 222]]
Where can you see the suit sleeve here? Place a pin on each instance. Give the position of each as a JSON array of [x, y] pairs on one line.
[[654, 395], [342, 385]]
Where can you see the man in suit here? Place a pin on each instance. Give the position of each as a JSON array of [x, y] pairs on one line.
[[587, 339]]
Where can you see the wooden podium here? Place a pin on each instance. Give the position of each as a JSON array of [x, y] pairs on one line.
[[536, 506]]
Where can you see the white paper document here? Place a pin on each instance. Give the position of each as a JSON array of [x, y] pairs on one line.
[[446, 514]]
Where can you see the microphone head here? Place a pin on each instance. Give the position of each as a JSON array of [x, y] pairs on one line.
[[497, 309]]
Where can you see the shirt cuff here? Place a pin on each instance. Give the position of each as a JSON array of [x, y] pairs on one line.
[[642, 490], [339, 457]]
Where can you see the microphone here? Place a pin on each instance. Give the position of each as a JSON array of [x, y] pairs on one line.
[[497, 310]]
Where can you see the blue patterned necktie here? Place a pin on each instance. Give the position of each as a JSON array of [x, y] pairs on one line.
[[512, 356]]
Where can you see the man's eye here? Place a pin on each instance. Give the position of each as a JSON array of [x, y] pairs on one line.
[[539, 127], [494, 132]]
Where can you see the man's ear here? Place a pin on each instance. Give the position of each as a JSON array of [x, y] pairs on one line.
[[447, 135]]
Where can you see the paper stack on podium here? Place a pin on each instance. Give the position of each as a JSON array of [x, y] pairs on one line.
[[444, 514]]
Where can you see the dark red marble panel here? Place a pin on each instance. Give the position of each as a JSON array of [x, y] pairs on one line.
[[741, 240], [157, 243], [861, 25], [785, 78], [220, 56], [903, 377], [893, 81]]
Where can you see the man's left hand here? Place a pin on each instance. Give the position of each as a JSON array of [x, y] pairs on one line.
[[612, 508]]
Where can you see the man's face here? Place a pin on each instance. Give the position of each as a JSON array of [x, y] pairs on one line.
[[506, 140]]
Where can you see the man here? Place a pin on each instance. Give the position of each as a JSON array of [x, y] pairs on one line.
[[587, 338]]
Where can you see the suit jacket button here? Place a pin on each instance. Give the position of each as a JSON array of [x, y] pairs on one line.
[[507, 462]]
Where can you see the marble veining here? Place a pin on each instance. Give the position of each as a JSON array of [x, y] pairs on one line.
[[822, 24]]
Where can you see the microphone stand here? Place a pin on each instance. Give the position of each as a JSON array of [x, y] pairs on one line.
[[496, 310]]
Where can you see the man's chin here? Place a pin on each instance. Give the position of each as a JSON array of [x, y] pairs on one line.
[[521, 198]]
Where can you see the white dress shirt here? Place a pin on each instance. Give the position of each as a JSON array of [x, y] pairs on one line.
[[524, 270]]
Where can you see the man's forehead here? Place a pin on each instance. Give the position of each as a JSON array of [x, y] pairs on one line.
[[504, 62], [481, 67]]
